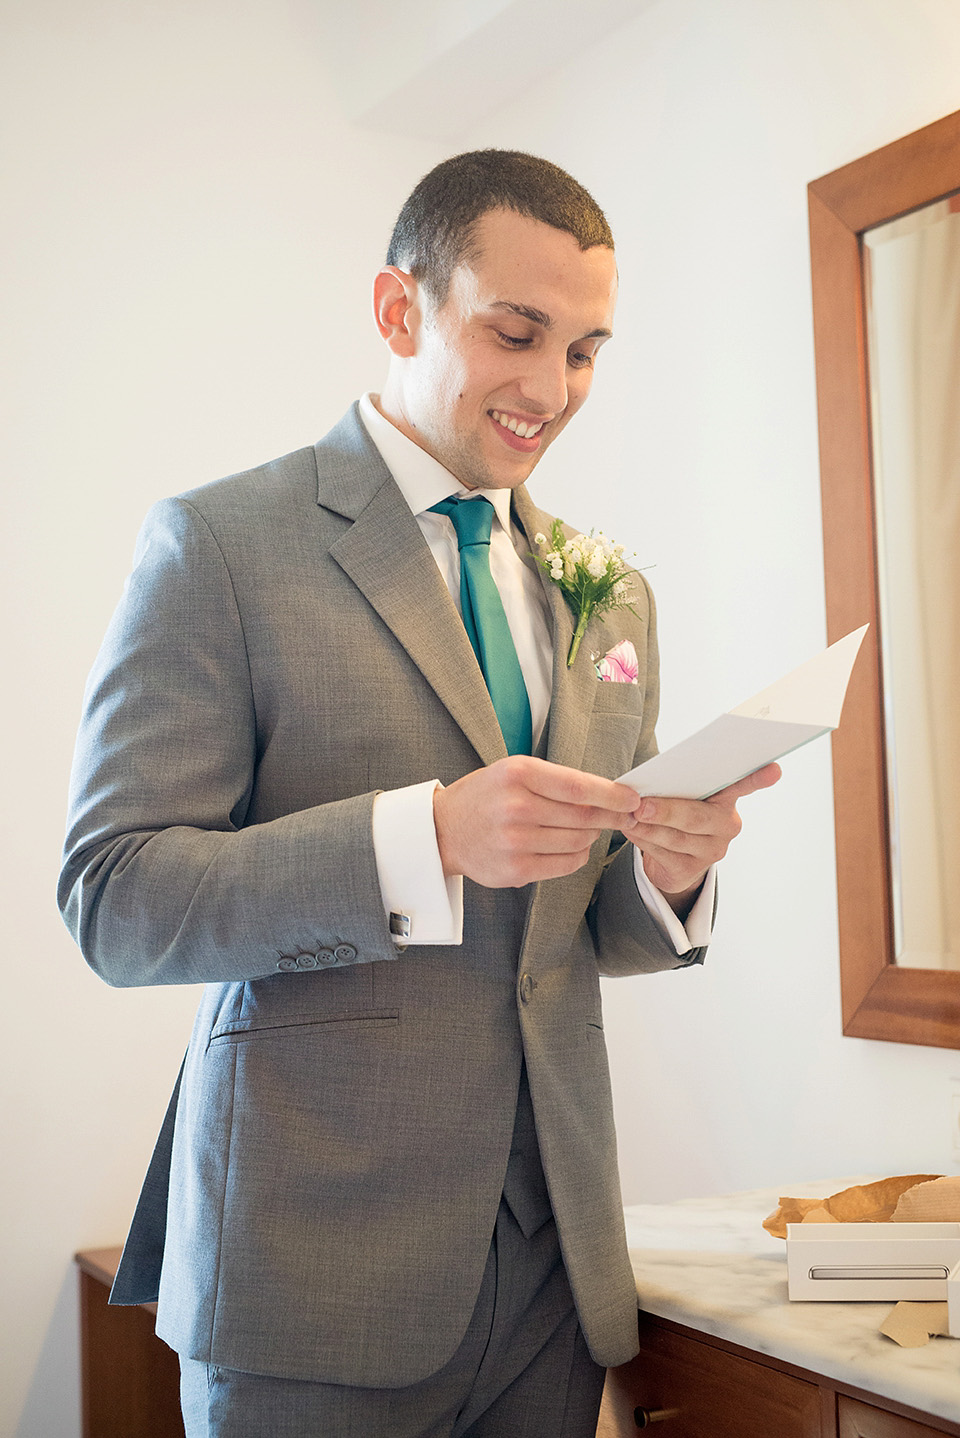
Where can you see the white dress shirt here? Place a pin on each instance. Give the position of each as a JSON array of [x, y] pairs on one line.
[[411, 875]]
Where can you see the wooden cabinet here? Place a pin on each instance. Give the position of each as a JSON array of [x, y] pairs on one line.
[[865, 1420], [130, 1379], [714, 1393], [694, 1386]]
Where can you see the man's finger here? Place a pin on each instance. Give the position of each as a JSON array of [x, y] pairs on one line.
[[552, 814], [572, 786], [549, 839], [682, 816], [749, 784], [666, 838]]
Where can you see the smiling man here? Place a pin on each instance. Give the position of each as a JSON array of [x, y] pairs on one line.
[[486, 380], [334, 766]]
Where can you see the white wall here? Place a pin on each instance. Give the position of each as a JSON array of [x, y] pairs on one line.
[[699, 126], [194, 232], [191, 228]]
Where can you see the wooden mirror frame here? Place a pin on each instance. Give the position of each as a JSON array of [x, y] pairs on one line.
[[880, 1000]]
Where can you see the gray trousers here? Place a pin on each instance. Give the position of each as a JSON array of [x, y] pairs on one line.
[[522, 1370]]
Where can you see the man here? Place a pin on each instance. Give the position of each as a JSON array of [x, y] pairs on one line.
[[385, 1197]]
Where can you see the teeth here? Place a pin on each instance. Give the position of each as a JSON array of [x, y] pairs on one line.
[[519, 428]]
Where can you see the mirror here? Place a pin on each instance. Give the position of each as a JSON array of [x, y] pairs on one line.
[[912, 292], [889, 475]]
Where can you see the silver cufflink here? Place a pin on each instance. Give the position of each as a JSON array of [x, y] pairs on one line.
[[400, 924]]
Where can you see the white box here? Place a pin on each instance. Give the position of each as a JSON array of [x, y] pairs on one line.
[[871, 1261], [953, 1303]]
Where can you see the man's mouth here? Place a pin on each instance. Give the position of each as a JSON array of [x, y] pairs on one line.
[[519, 427], [523, 436]]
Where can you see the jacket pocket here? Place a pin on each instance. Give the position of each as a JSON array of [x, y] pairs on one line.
[[281, 1003], [243, 1031]]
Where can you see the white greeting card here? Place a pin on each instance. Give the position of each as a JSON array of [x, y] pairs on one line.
[[799, 707]]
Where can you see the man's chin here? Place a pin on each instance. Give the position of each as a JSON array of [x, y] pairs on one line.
[[509, 476], [491, 472], [493, 479]]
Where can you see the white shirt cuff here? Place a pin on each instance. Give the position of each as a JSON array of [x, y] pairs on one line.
[[696, 931], [412, 881]]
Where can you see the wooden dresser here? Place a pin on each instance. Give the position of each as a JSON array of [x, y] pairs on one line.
[[724, 1354], [129, 1378]]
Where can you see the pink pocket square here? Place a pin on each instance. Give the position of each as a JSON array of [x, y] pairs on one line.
[[619, 665]]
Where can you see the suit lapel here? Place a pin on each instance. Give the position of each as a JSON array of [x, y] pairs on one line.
[[575, 689], [386, 556], [571, 710]]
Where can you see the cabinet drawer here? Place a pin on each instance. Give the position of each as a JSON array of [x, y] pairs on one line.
[[862, 1420], [715, 1394]]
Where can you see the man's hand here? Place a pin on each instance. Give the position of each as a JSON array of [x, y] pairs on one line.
[[523, 819], [681, 838]]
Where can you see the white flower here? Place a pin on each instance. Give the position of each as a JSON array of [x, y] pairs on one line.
[[591, 574], [540, 539]]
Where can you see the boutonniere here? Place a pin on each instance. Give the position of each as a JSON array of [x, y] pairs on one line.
[[591, 574]]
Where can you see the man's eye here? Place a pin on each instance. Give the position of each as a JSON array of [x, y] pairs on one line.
[[516, 342], [580, 360]]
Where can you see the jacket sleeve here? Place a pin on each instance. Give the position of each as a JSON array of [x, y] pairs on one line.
[[626, 937], [163, 881]]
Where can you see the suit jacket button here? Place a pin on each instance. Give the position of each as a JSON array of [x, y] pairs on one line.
[[344, 953], [307, 961], [326, 956], [287, 963], [527, 985]]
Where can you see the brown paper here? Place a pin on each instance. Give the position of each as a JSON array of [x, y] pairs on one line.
[[863, 1203], [935, 1202], [914, 1324], [819, 1215]]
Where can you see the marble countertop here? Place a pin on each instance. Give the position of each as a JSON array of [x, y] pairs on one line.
[[707, 1263]]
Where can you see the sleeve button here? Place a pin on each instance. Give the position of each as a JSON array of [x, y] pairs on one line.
[[307, 961], [287, 963], [345, 953]]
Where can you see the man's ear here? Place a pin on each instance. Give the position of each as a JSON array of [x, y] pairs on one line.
[[396, 309]]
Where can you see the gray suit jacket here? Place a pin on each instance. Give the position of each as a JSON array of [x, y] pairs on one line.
[[334, 1158]]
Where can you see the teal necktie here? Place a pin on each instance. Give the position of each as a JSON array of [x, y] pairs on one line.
[[485, 621]]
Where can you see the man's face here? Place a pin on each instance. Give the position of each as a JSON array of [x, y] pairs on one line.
[[504, 364]]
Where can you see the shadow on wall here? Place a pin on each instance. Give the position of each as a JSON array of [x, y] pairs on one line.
[[52, 1404]]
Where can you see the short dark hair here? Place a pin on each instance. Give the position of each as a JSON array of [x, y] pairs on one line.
[[435, 229]]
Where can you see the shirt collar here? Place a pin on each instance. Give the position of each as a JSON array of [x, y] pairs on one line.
[[421, 479]]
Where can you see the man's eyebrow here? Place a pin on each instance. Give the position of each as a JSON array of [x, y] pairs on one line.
[[538, 317]]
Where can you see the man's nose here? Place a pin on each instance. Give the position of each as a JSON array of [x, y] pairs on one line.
[[545, 384]]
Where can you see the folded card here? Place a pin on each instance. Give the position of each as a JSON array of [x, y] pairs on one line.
[[801, 706]]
